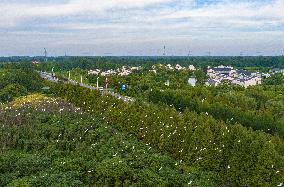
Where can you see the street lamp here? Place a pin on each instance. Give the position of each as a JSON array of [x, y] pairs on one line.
[[53, 74], [106, 82], [98, 82]]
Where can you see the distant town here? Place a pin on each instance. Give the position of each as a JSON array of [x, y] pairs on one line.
[[216, 75]]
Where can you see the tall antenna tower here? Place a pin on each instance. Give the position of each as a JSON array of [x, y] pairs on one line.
[[189, 53], [45, 54], [164, 54]]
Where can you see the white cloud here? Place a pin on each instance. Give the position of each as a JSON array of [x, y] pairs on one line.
[[152, 21], [15, 12], [18, 10], [224, 13], [237, 14]]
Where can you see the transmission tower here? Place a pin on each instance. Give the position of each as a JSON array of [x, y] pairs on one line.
[[45, 54], [164, 54], [189, 53]]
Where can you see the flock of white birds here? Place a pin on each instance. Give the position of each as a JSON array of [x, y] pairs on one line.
[[45, 104]]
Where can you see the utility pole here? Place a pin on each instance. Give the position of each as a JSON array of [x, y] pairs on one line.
[[106, 82], [81, 79], [98, 82], [168, 83], [69, 75], [52, 70]]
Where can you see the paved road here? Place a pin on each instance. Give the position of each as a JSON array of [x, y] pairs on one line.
[[50, 77]]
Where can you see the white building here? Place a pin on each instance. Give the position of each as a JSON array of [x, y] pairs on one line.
[[136, 68], [179, 67], [94, 72], [108, 72], [169, 66], [192, 81], [277, 70], [125, 72], [246, 82], [266, 75], [191, 68], [155, 71]]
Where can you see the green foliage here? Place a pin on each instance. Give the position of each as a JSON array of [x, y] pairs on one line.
[[48, 142], [241, 156], [200, 76], [258, 108], [28, 79], [201, 136], [276, 79], [18, 82], [105, 63], [11, 91]]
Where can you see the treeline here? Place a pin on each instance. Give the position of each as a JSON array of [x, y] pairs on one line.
[[18, 82], [106, 63], [68, 63], [241, 156]]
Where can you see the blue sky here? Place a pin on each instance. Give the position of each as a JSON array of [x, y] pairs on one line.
[[141, 27]]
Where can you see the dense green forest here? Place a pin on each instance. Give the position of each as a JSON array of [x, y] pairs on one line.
[[261, 108], [175, 135], [241, 156], [49, 142]]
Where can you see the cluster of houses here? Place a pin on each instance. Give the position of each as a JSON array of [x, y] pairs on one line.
[[216, 75], [124, 71], [178, 67], [220, 74]]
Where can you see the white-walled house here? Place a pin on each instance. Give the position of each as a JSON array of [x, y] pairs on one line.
[[179, 67], [277, 70], [125, 72], [94, 72], [108, 72], [192, 81], [169, 66], [191, 68]]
